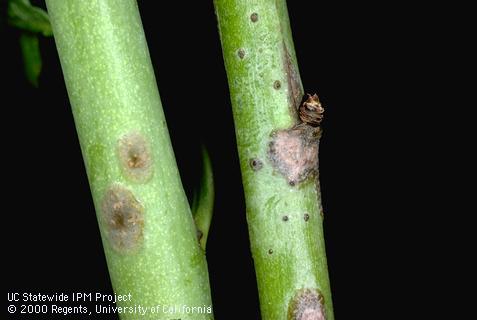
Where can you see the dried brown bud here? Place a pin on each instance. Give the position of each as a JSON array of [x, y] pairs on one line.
[[311, 111]]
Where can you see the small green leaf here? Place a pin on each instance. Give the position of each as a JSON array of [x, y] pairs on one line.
[[203, 202], [23, 15], [30, 46]]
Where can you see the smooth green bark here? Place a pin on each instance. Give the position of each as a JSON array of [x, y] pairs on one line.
[[285, 221], [146, 225]]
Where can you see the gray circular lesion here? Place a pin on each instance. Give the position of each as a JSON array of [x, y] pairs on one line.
[[135, 157], [241, 53], [294, 153], [123, 218], [307, 304]]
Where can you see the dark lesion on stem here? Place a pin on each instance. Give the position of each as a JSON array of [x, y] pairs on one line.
[[295, 91], [123, 217], [135, 157], [307, 304], [294, 152]]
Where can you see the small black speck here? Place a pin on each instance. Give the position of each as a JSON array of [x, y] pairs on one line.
[[254, 17], [270, 251], [306, 216], [291, 183], [241, 53], [285, 218], [256, 164], [277, 84]]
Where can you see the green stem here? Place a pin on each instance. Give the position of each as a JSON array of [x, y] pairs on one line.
[[278, 158], [30, 45], [148, 233], [203, 202]]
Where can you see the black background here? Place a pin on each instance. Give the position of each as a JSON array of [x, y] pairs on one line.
[[360, 64]]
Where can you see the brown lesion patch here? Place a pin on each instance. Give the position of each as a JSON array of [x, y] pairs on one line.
[[123, 218], [295, 92], [241, 53], [307, 304], [135, 157], [294, 152]]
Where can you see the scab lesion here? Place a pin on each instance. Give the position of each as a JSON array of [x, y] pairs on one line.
[[135, 157], [122, 216], [294, 153], [307, 304], [241, 53]]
